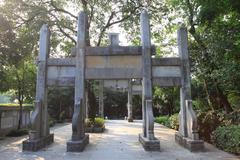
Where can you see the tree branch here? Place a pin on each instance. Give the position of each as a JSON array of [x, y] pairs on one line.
[[62, 10]]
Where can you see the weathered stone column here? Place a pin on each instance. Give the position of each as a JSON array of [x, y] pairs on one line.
[[188, 134], [39, 136], [101, 104], [147, 139], [79, 138], [87, 104], [129, 105]]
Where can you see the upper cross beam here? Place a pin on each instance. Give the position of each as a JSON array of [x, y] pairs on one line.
[[114, 50]]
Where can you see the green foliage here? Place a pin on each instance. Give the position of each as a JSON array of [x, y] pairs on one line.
[[99, 122], [88, 123], [164, 120], [60, 103], [61, 116], [166, 98], [18, 133], [174, 121], [25, 106], [227, 138], [171, 122], [51, 121], [115, 104], [208, 122]]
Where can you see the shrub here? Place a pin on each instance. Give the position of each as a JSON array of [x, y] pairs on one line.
[[208, 122], [61, 117], [164, 120], [18, 132], [51, 122], [227, 138], [99, 122], [88, 123], [173, 121]]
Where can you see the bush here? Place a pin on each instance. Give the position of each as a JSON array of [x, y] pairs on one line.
[[174, 121], [227, 138], [18, 132], [164, 120], [51, 122], [99, 122], [61, 117], [88, 123], [208, 122]]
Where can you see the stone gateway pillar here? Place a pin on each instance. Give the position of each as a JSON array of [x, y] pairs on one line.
[[188, 133], [39, 136], [101, 103], [129, 104], [79, 138], [147, 138]]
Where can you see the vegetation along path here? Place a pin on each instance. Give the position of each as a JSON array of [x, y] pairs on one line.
[[119, 141]]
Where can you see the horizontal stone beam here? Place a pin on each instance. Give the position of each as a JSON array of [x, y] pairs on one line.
[[115, 83], [61, 82], [167, 81], [114, 50], [173, 61], [155, 61], [166, 71], [61, 72], [113, 73], [137, 88], [61, 62], [62, 75]]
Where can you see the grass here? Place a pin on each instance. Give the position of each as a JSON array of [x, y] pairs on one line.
[[25, 106], [14, 105], [18, 133]]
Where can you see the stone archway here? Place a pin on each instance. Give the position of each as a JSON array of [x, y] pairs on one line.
[[112, 62]]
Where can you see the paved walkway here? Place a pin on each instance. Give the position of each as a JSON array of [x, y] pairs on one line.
[[118, 142]]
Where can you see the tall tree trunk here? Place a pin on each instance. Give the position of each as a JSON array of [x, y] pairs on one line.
[[20, 110], [223, 100], [207, 94]]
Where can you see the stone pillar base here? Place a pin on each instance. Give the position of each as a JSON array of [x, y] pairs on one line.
[[130, 119], [149, 145], [77, 146], [192, 145], [35, 145]]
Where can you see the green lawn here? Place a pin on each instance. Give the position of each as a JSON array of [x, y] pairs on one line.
[[13, 105], [26, 106]]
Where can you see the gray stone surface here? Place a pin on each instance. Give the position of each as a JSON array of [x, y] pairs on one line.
[[192, 145], [118, 142], [9, 117], [101, 103], [77, 146], [37, 144], [129, 104], [149, 145]]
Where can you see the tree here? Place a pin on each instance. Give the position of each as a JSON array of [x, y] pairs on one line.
[[214, 27], [17, 67]]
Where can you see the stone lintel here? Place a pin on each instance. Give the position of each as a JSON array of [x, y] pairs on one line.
[[149, 145], [35, 145], [190, 144], [114, 50], [77, 146]]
